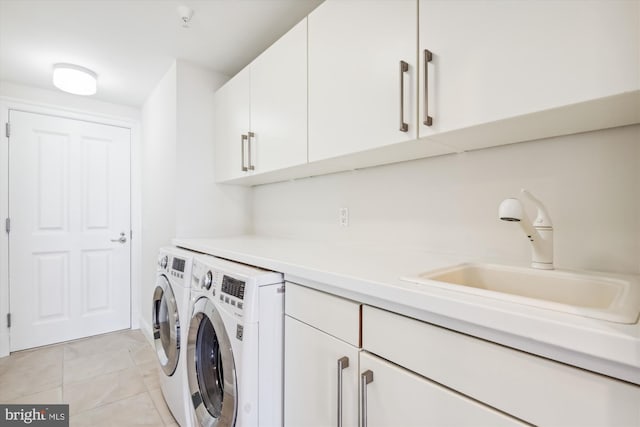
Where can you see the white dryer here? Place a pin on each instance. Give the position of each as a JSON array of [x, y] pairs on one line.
[[170, 320], [235, 344]]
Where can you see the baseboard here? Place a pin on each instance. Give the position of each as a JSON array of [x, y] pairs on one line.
[[145, 328]]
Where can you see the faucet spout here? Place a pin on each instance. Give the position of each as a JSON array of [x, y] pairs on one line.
[[542, 219]]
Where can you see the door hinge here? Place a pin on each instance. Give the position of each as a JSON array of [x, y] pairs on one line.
[[8, 320], [7, 225], [7, 129]]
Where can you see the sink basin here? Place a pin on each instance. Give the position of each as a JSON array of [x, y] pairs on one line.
[[588, 295]]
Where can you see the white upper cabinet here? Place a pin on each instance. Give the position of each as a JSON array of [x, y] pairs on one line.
[[261, 113], [279, 103], [350, 86], [355, 50], [231, 118], [493, 60]]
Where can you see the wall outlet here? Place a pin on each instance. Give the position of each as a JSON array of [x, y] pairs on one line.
[[343, 218]]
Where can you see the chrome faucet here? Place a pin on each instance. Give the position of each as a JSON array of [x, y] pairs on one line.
[[540, 232]]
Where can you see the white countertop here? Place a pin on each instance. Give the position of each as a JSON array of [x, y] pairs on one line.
[[371, 275]]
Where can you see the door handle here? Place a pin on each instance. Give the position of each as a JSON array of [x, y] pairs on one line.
[[243, 138], [343, 363], [428, 56], [122, 239], [404, 67], [365, 378], [249, 136]]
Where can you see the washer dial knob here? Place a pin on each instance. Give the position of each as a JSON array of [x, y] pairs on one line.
[[164, 262], [208, 280]]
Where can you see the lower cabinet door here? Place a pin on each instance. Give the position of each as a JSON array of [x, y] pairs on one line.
[[314, 380], [392, 396]]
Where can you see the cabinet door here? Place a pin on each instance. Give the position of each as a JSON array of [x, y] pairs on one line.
[[355, 49], [279, 103], [311, 378], [397, 397], [231, 118], [534, 389], [500, 58]]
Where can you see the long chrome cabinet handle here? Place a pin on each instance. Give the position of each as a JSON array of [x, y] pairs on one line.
[[428, 56], [343, 363], [242, 140], [404, 67], [365, 378], [249, 136]]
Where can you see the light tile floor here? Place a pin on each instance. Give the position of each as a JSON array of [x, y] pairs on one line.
[[107, 380]]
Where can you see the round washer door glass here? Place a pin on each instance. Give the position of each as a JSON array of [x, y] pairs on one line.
[[211, 368], [166, 326]]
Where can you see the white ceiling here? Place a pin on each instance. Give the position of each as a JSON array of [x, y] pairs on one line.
[[132, 43]]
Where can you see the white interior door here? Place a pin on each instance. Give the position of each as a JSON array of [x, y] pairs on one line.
[[69, 199]]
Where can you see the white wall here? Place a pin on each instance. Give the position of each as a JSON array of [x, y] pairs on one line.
[[158, 182], [66, 101], [203, 208], [590, 183], [179, 194]]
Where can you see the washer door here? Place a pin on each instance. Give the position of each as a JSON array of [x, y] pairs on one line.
[[211, 368], [166, 325]]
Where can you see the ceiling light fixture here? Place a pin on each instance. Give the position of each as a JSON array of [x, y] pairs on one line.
[[75, 79]]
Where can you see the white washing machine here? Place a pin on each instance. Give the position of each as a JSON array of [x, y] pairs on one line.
[[235, 344], [170, 321]]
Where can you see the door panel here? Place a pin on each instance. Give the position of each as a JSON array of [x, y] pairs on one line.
[[69, 196], [96, 158], [53, 178], [51, 274], [96, 272]]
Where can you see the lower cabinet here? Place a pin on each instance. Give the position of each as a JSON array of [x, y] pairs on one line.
[[321, 378], [398, 371], [536, 390], [393, 396], [322, 340], [326, 375]]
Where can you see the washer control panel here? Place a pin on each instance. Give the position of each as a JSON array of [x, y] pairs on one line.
[[174, 267], [163, 261], [232, 291], [227, 291]]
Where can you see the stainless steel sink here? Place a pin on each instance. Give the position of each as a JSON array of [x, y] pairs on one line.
[[589, 295]]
